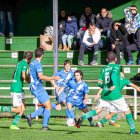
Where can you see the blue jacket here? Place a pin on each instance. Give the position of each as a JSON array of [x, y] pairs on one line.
[[71, 27]]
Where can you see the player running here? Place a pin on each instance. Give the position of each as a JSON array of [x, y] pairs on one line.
[[77, 95], [37, 89], [123, 83], [109, 81], [66, 74], [16, 90]]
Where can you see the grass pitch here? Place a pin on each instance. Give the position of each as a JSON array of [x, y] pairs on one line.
[[59, 131]]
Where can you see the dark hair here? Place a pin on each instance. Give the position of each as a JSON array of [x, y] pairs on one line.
[[39, 52], [133, 6], [28, 55], [111, 56], [92, 24], [67, 62], [79, 71]]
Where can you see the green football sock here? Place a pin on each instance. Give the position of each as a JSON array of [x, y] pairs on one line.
[[114, 118], [89, 114], [16, 120], [103, 121], [5, 108], [130, 121]]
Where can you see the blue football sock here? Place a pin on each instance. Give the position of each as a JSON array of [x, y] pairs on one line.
[[38, 112], [90, 119], [47, 114], [71, 112], [53, 106], [67, 113]]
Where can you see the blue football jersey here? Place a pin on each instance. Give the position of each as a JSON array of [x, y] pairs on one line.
[[65, 77], [35, 68], [77, 90]]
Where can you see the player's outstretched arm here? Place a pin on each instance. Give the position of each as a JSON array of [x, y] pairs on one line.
[[135, 86], [47, 78], [54, 84]]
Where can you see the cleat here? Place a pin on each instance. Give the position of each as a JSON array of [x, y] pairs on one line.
[[114, 124], [29, 119], [98, 124], [46, 128], [79, 123], [14, 127], [135, 133], [94, 62]]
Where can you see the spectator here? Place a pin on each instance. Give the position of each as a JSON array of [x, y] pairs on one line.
[[70, 32], [135, 46], [84, 22], [6, 10], [91, 41], [61, 20], [132, 21], [104, 22], [118, 38]]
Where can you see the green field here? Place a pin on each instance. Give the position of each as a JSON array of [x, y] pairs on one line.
[[59, 131]]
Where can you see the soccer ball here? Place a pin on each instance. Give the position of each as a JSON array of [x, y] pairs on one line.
[[70, 122]]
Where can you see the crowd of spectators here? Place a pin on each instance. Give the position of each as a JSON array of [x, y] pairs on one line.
[[87, 33]]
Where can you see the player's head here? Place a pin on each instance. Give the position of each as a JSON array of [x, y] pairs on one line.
[[28, 56], [67, 65], [78, 74], [39, 52], [111, 57]]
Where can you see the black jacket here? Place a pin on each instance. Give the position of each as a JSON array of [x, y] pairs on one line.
[[117, 34]]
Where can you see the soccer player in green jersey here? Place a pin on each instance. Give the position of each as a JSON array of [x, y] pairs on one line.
[[123, 83], [16, 90], [111, 97]]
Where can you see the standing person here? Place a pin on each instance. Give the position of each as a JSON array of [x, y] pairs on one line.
[[66, 74], [77, 95], [17, 92], [91, 41], [6, 10], [70, 31], [109, 81], [37, 89]]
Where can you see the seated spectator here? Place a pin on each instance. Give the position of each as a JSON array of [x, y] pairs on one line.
[[104, 22], [91, 41], [84, 22], [135, 46], [70, 32], [118, 38], [6, 12], [61, 20], [46, 40]]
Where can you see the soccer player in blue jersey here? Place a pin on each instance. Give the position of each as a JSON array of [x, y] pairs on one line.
[[77, 95], [37, 89], [66, 74]]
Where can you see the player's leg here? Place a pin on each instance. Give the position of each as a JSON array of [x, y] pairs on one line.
[[70, 110], [113, 120], [85, 110], [122, 106], [19, 104]]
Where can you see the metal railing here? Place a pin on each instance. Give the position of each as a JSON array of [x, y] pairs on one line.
[[52, 88]]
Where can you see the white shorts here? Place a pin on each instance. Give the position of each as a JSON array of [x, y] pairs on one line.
[[107, 105], [17, 98], [120, 104]]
